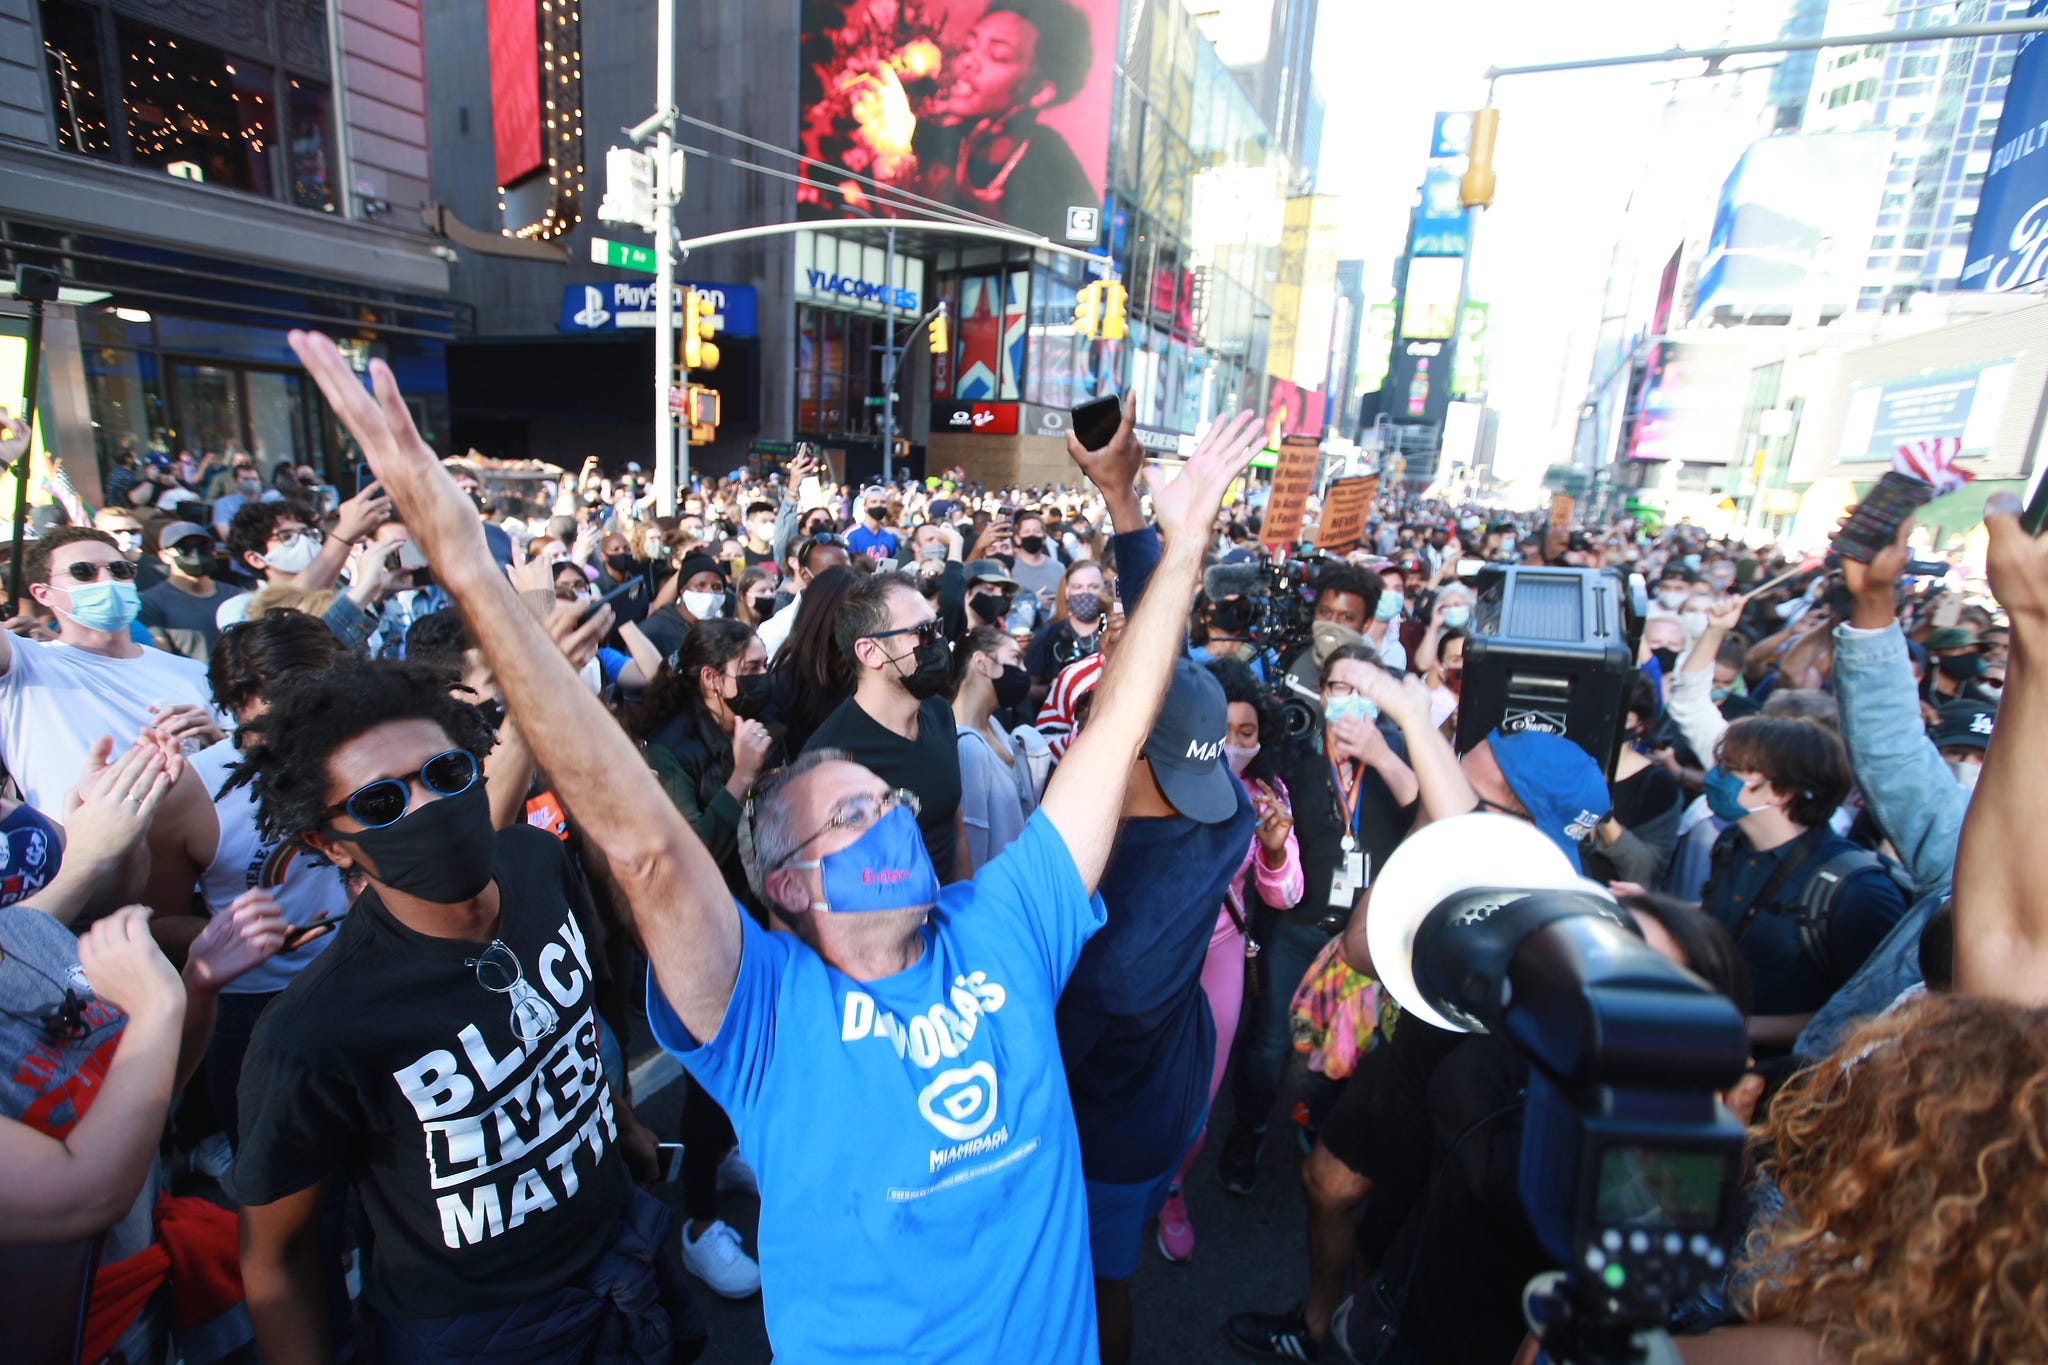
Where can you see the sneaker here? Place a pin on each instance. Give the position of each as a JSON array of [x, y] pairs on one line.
[[1237, 1168], [715, 1257], [1276, 1336], [213, 1158], [735, 1174], [1176, 1233]]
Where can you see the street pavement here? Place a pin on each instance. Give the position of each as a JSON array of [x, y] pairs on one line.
[[1249, 1252]]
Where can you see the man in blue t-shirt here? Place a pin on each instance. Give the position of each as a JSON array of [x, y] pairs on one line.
[[892, 1070], [869, 537]]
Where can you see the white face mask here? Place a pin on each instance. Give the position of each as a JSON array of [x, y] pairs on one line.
[[128, 542], [1239, 758], [294, 554], [1964, 773], [654, 547], [704, 605], [1672, 601]]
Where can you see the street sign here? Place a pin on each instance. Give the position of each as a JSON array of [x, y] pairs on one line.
[[628, 188], [622, 255], [678, 399]]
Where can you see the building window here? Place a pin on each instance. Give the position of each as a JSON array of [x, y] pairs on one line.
[[835, 364], [187, 107]]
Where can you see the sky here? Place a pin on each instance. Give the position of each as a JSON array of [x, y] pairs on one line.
[[1573, 148]]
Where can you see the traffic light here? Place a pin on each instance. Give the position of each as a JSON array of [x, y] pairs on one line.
[[702, 406], [1114, 299], [700, 352], [938, 332], [1475, 190], [1088, 310]]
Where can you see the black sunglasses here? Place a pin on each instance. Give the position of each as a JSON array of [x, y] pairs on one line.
[[925, 631], [120, 570], [385, 801]]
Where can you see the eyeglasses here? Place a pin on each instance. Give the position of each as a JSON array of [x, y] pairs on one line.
[[856, 813], [385, 801], [925, 631], [498, 971], [120, 570]]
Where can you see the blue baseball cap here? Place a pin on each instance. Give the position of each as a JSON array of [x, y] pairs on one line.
[[1556, 781], [1185, 747]]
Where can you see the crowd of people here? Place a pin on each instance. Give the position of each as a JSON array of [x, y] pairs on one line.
[[963, 845]]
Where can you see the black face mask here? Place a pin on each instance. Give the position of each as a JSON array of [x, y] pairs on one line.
[[751, 697], [1232, 616], [934, 663], [196, 565], [443, 851], [764, 606], [989, 607], [623, 566], [1961, 667], [1032, 545], [1667, 659], [1012, 685]]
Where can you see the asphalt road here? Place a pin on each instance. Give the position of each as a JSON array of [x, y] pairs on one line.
[[1249, 1253]]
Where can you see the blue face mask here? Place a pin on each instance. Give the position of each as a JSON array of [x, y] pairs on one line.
[[1389, 606], [103, 606], [887, 868], [1724, 794], [1456, 617], [1352, 707]]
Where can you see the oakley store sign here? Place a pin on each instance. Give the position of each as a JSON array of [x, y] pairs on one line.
[[835, 273]]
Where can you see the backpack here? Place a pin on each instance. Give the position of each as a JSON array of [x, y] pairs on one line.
[[1812, 903]]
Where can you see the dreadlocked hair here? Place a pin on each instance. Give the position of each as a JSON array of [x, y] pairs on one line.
[[286, 769]]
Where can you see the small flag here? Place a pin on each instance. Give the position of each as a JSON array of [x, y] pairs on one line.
[[1932, 460]]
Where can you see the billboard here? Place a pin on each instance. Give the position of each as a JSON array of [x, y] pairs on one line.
[[2009, 239], [609, 305], [997, 109], [1441, 223], [1429, 298], [1789, 229], [1689, 406], [1965, 403]]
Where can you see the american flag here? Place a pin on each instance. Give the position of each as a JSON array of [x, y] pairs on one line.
[[1932, 459]]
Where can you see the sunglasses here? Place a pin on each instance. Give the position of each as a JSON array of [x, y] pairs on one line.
[[498, 971], [385, 801], [925, 631], [120, 570]]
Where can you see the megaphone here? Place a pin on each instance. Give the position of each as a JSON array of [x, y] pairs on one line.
[[1441, 891]]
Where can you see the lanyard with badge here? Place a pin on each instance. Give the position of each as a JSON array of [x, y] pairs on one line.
[[1354, 869]]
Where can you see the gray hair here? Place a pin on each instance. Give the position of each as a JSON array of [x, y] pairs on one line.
[[771, 823]]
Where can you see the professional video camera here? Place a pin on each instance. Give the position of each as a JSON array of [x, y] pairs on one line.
[[1630, 1166], [1279, 594]]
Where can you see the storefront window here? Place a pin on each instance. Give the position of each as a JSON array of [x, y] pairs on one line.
[[837, 371], [193, 112], [274, 403], [126, 400], [209, 407]]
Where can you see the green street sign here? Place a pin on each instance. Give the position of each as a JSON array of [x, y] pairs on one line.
[[622, 255]]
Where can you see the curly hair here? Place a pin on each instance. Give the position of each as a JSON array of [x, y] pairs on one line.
[[1914, 1166], [287, 767], [1240, 684]]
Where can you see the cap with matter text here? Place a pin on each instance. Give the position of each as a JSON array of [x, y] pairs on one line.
[[1185, 748]]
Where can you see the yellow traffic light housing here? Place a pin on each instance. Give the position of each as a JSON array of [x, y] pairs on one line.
[[939, 341], [1088, 310], [699, 352], [1115, 299], [1475, 189]]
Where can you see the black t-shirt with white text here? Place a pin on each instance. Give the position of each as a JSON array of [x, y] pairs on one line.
[[488, 1169]]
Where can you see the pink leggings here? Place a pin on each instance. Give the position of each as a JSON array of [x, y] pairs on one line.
[[1223, 983]]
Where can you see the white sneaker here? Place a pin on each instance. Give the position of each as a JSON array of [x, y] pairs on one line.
[[716, 1258], [735, 1174]]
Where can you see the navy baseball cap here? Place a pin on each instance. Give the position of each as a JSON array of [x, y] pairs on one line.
[[1185, 747], [1556, 781]]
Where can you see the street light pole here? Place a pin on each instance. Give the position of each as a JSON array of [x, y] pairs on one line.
[[666, 471], [889, 359]]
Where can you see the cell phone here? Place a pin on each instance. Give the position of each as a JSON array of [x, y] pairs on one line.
[[1875, 523], [1096, 421], [614, 595], [306, 933], [410, 555]]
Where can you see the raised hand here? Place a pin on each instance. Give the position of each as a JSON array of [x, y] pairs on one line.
[[1185, 506], [1114, 468], [421, 490], [2016, 563], [576, 637], [362, 514], [127, 970], [1872, 586], [750, 743], [109, 812], [187, 720]]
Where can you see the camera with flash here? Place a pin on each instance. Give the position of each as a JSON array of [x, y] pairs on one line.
[[1630, 1166]]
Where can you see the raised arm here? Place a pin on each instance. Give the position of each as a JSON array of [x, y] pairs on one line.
[[688, 924], [2001, 898], [1438, 780], [1085, 798], [354, 520]]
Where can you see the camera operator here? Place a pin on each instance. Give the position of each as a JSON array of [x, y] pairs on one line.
[[1354, 798], [1227, 616], [1450, 1288]]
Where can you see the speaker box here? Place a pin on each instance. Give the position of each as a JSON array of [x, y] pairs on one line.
[[1550, 649]]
